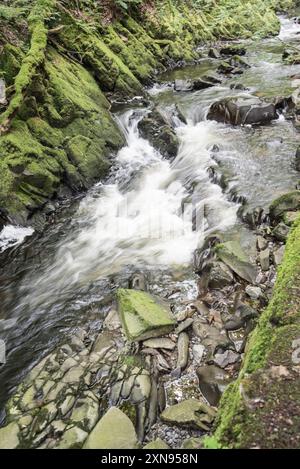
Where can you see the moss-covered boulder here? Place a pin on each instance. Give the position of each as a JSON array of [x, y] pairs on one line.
[[234, 257], [114, 431], [286, 203], [143, 315]]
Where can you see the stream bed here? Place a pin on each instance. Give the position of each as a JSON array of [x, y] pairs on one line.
[[141, 220]]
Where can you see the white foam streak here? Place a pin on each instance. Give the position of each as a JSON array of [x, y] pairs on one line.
[[13, 235]]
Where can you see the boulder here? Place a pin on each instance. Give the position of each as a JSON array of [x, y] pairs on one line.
[[191, 413], [201, 83], [234, 257], [113, 431], [242, 111], [143, 316], [231, 50], [155, 128], [286, 203]]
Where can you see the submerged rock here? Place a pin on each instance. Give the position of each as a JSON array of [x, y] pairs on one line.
[[242, 111], [143, 316], [114, 431], [191, 413], [155, 128]]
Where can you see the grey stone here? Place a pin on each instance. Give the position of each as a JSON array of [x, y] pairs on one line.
[[212, 381], [198, 351], [184, 325], [183, 350], [264, 259], [114, 431], [226, 358], [262, 243], [112, 321], [253, 292], [189, 413], [235, 257], [160, 343], [281, 231], [278, 255]]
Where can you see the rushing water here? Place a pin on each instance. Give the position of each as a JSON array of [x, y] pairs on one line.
[[150, 215]]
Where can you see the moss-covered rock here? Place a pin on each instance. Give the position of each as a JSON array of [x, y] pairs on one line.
[[232, 255], [143, 316]]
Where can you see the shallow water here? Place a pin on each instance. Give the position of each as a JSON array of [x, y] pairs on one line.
[[149, 216]]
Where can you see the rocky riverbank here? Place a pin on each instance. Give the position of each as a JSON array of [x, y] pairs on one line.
[[57, 59], [211, 365]]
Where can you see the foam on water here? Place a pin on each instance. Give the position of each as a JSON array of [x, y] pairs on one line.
[[13, 235]]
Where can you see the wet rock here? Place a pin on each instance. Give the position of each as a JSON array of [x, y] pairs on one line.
[[237, 62], [229, 357], [281, 231], [73, 375], [183, 351], [242, 111], [225, 68], [156, 129], [143, 316], [264, 259], [183, 85], [212, 382], [112, 321], [157, 444], [253, 292], [72, 438], [239, 87], [255, 217], [286, 203], [160, 343], [9, 436], [246, 312], [278, 255], [191, 413], [214, 53], [67, 404], [184, 325], [232, 50], [220, 276], [114, 431], [234, 257], [291, 57], [103, 343], [85, 413]]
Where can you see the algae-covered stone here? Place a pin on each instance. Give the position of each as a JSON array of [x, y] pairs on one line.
[[232, 255], [157, 444], [143, 316], [286, 203], [189, 413], [9, 436], [114, 431]]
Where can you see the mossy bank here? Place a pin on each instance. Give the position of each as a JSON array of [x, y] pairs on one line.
[[58, 58]]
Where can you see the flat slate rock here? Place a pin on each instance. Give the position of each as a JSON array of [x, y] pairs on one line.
[[190, 413], [160, 342], [114, 431], [143, 316]]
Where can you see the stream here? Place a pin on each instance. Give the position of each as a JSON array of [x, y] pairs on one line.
[[142, 218]]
